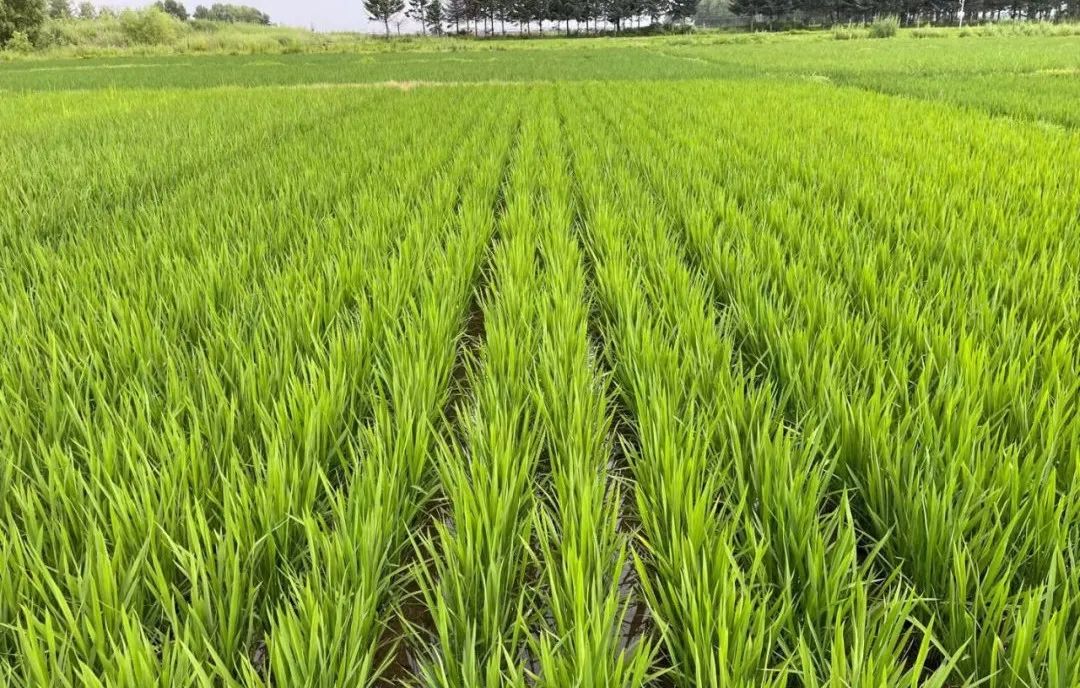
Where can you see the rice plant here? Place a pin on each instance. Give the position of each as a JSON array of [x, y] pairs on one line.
[[643, 383]]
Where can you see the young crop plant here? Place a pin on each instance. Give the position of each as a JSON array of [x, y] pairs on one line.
[[474, 568], [395, 473], [781, 348], [583, 545], [650, 379], [783, 481]]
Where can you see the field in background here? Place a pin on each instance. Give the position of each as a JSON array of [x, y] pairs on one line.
[[670, 362], [1035, 77]]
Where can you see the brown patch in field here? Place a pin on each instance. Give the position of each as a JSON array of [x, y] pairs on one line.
[[403, 86], [1059, 71]]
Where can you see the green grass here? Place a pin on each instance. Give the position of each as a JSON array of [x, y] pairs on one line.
[[659, 362]]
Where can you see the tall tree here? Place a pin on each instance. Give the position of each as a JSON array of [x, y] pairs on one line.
[[433, 17], [682, 9], [59, 9], [747, 8], [86, 10], [454, 13], [418, 12], [655, 9], [240, 14], [25, 16], [174, 8], [473, 12], [618, 11], [382, 10]]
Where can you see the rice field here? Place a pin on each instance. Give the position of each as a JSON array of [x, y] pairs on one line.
[[703, 376]]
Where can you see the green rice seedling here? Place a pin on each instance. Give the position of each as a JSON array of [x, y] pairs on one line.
[[794, 563], [701, 576], [474, 576], [582, 547], [957, 634], [694, 383], [188, 550], [393, 479]]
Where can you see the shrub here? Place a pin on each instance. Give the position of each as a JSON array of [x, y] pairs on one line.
[[289, 45], [149, 27], [198, 44], [19, 43], [885, 27]]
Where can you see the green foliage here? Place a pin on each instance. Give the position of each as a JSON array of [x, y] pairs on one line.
[[231, 13], [22, 16], [173, 8], [434, 16], [633, 381], [19, 43], [86, 11], [383, 10], [149, 27], [679, 10], [885, 27], [418, 11], [60, 9]]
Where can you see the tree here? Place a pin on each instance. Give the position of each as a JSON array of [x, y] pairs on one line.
[[237, 14], [433, 17], [615, 11], [59, 9], [86, 10], [23, 16], [174, 8], [654, 9], [472, 12], [454, 13], [418, 12], [382, 10], [560, 11], [528, 11], [682, 9], [746, 8]]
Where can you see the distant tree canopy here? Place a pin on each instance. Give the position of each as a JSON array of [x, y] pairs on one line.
[[909, 12], [477, 15], [433, 17], [22, 16], [418, 12], [174, 8], [58, 9], [240, 14], [382, 10]]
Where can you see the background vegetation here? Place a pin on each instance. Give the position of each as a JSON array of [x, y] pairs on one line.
[[59, 27]]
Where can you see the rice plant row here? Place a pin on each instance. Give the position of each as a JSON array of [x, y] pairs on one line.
[[709, 384]]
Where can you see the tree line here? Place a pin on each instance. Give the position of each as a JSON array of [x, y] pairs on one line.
[[483, 16], [25, 17], [476, 16], [781, 13], [236, 14]]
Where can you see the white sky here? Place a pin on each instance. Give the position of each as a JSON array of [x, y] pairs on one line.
[[324, 15]]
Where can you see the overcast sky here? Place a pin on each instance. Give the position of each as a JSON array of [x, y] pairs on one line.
[[324, 15]]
